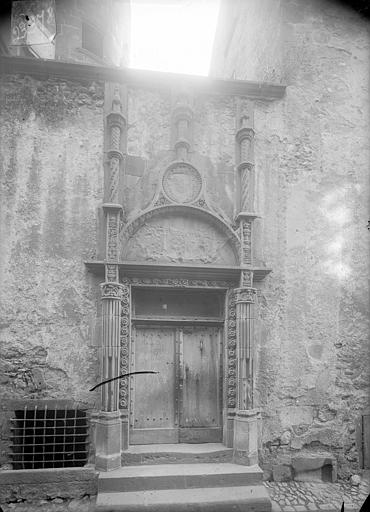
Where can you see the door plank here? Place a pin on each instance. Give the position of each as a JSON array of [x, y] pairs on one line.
[[154, 395], [200, 378]]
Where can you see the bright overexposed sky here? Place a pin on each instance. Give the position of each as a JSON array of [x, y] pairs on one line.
[[173, 35]]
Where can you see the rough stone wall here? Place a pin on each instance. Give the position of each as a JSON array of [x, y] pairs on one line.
[[110, 17], [312, 161], [51, 184]]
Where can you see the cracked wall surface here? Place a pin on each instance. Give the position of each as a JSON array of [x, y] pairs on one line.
[[51, 185], [312, 162]]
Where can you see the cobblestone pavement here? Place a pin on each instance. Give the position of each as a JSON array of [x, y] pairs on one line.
[[285, 496], [310, 496]]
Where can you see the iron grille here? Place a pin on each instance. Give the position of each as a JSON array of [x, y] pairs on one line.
[[49, 438]]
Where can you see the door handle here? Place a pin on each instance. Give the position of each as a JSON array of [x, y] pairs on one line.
[[201, 345]]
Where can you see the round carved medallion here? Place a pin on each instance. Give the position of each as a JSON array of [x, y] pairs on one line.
[[182, 183]]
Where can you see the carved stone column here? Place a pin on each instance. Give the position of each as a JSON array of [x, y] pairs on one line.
[[244, 299], [109, 422], [246, 422], [108, 426], [182, 127]]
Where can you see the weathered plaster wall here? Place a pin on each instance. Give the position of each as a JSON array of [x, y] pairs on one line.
[[312, 161], [51, 184]]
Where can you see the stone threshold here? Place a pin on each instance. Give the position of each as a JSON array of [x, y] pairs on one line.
[[178, 448]]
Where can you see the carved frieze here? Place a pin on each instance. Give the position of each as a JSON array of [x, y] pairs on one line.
[[124, 345], [177, 283], [179, 238], [231, 390]]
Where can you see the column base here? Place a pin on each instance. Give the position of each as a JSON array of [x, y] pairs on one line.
[[246, 437], [108, 441], [124, 429], [228, 430]]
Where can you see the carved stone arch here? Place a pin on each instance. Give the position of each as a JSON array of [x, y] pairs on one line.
[[179, 233]]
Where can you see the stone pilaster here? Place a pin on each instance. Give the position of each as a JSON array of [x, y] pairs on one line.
[[108, 424], [109, 438], [246, 421], [244, 300]]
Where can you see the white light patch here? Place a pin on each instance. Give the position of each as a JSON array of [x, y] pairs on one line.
[[174, 36]]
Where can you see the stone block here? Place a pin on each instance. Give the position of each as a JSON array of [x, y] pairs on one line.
[[246, 428], [315, 467], [281, 472]]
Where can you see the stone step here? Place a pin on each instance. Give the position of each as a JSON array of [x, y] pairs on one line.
[[176, 453], [217, 499], [178, 476]]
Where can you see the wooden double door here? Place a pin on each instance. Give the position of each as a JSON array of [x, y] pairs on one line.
[[182, 403]]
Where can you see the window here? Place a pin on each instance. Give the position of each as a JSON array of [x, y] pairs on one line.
[[49, 438]]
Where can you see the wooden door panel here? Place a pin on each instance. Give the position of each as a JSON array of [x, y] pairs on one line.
[[200, 398], [154, 405]]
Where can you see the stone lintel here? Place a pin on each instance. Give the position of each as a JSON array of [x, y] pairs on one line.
[[147, 270]]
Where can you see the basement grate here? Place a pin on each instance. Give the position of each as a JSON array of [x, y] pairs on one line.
[[49, 438]]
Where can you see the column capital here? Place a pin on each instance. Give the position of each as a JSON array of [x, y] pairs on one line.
[[245, 165], [245, 295], [115, 153], [112, 207], [246, 216], [244, 133], [112, 291], [116, 119]]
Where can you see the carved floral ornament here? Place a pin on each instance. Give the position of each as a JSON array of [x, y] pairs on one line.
[[111, 291], [245, 294], [176, 282], [231, 351]]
